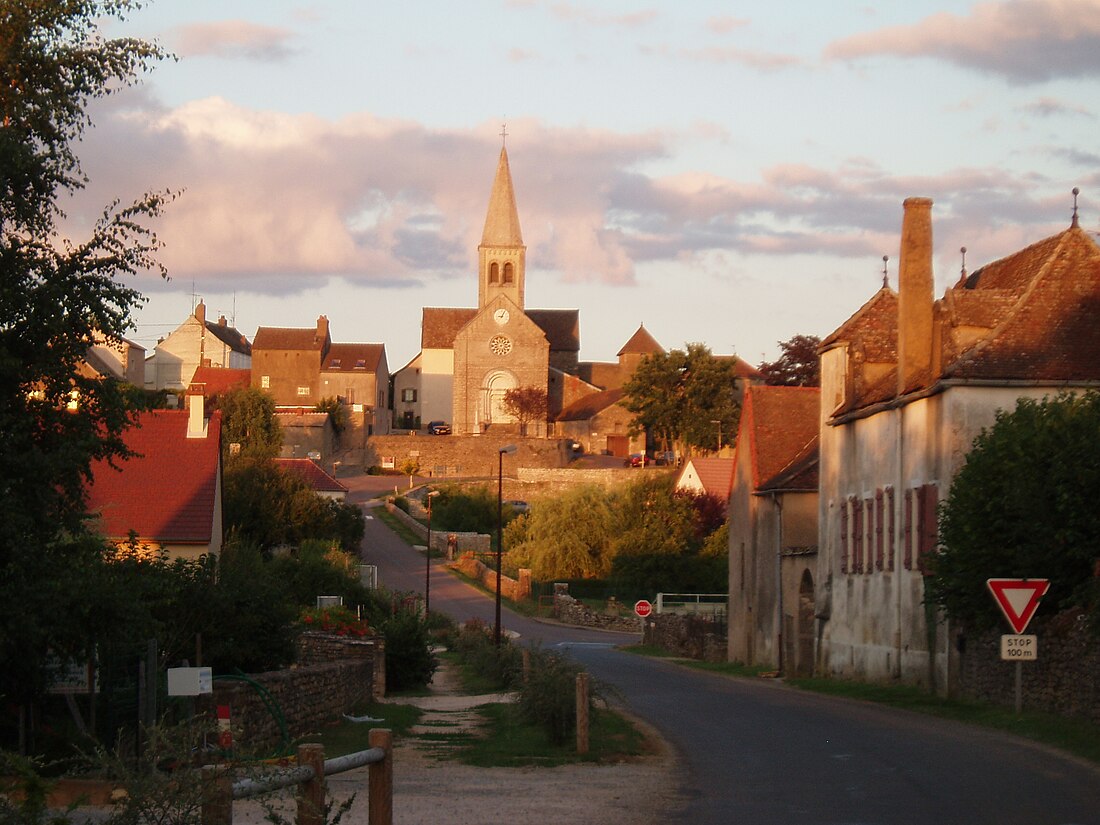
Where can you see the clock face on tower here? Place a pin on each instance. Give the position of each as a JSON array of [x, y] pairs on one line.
[[501, 316]]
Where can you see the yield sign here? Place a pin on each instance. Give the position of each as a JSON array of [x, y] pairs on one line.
[[1018, 598]]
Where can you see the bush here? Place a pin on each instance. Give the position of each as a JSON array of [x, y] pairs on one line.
[[410, 663], [548, 695], [497, 668]]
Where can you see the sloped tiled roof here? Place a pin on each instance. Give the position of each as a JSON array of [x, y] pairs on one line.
[[641, 343], [777, 425], [562, 328], [166, 492], [298, 418], [715, 475], [220, 380], [312, 474], [352, 357], [291, 338], [799, 474], [440, 325], [590, 405], [740, 367], [502, 217]]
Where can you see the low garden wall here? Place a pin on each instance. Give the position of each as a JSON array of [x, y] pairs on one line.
[[1065, 679], [470, 567], [620, 618], [445, 543], [446, 456], [334, 675], [686, 635]]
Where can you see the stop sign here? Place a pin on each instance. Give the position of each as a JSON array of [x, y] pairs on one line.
[[643, 608]]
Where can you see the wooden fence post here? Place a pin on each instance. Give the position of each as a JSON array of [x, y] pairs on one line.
[[217, 796], [311, 794], [380, 779], [582, 712]]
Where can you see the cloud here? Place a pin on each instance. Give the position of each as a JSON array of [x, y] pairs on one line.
[[282, 203], [571, 12], [233, 39], [724, 25], [1049, 107], [1025, 41], [764, 61]]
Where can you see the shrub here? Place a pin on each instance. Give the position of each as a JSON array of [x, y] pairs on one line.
[[548, 694], [410, 663], [496, 667]]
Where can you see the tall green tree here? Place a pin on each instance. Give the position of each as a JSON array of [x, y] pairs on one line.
[[55, 293], [798, 364], [1024, 506], [676, 398], [248, 419]]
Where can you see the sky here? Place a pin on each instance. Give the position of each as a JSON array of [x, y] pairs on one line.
[[729, 173]]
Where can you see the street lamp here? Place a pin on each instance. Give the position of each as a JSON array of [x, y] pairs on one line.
[[511, 448], [718, 421], [428, 558]]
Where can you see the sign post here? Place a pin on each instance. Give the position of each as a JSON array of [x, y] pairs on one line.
[[1018, 600], [642, 608]]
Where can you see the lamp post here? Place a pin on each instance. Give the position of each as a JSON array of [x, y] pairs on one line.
[[718, 421], [511, 448], [428, 558]]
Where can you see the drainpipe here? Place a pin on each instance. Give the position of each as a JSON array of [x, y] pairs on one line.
[[778, 502], [899, 533]]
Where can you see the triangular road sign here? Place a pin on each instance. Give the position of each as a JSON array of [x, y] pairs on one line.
[[1018, 599]]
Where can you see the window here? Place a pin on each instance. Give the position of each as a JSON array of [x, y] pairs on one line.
[[844, 537], [408, 396], [265, 382], [335, 364], [494, 273], [508, 273], [361, 364], [303, 390]]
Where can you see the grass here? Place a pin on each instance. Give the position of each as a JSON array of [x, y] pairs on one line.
[[398, 527], [1076, 736], [346, 737], [513, 742]]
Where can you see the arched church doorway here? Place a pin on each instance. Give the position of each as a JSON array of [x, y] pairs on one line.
[[804, 664], [492, 398]]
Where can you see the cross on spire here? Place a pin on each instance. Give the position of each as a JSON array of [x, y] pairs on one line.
[[504, 134]]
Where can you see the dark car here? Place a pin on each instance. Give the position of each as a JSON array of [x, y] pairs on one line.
[[439, 428], [637, 460]]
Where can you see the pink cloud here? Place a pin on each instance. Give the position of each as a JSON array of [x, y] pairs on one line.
[[238, 39], [1026, 41], [724, 25]]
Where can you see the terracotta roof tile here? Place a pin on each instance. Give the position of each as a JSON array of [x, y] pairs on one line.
[[230, 336], [352, 357], [166, 492], [220, 380], [590, 405], [287, 338], [562, 328], [714, 474], [641, 343], [440, 325], [312, 474], [777, 424]]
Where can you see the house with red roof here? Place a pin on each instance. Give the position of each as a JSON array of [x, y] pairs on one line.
[[773, 529], [907, 383], [707, 476], [312, 474], [168, 495]]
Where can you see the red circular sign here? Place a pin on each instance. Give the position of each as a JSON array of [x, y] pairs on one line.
[[643, 608]]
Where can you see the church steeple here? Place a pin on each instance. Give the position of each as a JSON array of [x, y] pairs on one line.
[[502, 257]]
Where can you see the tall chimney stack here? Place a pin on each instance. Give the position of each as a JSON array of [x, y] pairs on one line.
[[915, 287], [196, 412]]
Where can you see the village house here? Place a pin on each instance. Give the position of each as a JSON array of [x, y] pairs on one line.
[[167, 496], [906, 384], [707, 476], [195, 343], [773, 530]]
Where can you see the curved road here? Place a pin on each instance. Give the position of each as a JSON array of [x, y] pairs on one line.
[[759, 752]]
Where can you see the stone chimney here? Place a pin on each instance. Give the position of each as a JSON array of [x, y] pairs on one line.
[[196, 412], [221, 321], [915, 287], [322, 329], [200, 313]]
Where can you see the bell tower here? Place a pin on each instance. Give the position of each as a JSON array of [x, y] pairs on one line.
[[501, 256]]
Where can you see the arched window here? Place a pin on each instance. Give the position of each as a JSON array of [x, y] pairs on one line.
[[494, 273], [509, 273]]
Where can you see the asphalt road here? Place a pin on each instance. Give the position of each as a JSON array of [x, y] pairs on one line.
[[758, 752]]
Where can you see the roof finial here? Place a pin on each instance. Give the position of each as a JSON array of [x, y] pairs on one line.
[[885, 274], [1073, 223], [962, 273], [504, 134]]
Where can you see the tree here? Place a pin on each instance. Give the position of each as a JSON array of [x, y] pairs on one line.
[[248, 419], [677, 396], [337, 413], [797, 366], [1024, 505], [526, 404], [55, 295]]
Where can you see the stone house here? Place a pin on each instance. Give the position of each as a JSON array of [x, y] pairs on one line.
[[314, 475], [169, 492], [117, 358], [773, 530], [600, 424], [906, 384], [707, 476], [195, 343], [286, 363]]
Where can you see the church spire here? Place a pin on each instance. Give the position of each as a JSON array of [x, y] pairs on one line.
[[501, 255]]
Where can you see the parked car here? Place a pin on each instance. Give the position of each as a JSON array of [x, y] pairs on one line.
[[439, 428], [637, 460], [518, 507]]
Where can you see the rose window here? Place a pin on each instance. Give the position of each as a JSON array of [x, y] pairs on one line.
[[500, 345]]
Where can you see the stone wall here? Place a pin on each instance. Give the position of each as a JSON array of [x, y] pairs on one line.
[[553, 480], [570, 611], [450, 456], [693, 637], [441, 540], [470, 567], [1065, 679], [341, 673]]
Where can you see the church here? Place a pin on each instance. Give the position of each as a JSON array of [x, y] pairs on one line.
[[470, 358]]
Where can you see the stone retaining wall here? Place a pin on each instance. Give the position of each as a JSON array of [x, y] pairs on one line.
[[441, 539], [690, 636], [1065, 679], [340, 673], [517, 591], [570, 611], [448, 456]]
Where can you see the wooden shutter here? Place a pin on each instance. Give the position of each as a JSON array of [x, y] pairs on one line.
[[844, 537]]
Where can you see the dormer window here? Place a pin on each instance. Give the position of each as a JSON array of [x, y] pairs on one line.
[[361, 364], [494, 273], [335, 364], [509, 273]]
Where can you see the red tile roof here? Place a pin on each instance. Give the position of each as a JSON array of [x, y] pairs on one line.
[[220, 380], [165, 493], [641, 343], [591, 404], [440, 325], [352, 357], [312, 474], [714, 474], [288, 338], [778, 426]]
